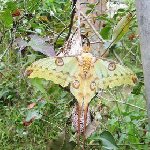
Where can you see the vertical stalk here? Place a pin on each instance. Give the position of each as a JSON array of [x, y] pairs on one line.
[[143, 13]]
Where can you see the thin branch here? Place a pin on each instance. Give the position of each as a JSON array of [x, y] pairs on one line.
[[132, 144], [123, 102], [95, 42], [120, 144], [118, 58], [60, 34], [7, 49], [72, 17], [93, 28], [51, 124], [60, 20], [128, 104], [92, 10], [12, 38]]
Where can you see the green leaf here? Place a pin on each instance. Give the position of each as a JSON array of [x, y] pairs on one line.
[[41, 104], [108, 140], [33, 114], [91, 6], [105, 32], [88, 11], [51, 1], [2, 66], [137, 88], [127, 119], [37, 83], [106, 19], [121, 28], [11, 6], [6, 19]]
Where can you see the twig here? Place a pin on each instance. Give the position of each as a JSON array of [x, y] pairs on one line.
[[128, 104], [60, 34], [51, 123], [72, 17], [93, 28], [130, 51], [12, 37], [123, 102], [25, 6], [118, 58], [120, 144], [98, 1], [60, 20], [95, 42], [4, 53], [132, 144]]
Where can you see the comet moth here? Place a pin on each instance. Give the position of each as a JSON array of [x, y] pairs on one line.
[[84, 74]]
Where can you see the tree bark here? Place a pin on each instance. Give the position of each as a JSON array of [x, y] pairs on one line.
[[143, 13]]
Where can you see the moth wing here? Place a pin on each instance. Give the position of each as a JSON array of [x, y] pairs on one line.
[[57, 69], [111, 74]]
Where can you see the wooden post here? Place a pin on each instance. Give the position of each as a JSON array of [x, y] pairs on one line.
[[143, 16]]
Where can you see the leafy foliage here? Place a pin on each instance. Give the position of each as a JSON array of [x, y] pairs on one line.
[[122, 119]]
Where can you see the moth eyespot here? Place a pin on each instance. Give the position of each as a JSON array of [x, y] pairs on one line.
[[76, 84], [93, 86], [112, 66], [59, 62], [28, 72]]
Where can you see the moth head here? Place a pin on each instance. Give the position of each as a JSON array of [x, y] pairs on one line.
[[86, 49], [93, 86], [85, 43], [112, 66], [59, 61], [76, 84]]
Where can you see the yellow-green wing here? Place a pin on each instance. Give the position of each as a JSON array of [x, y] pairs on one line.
[[57, 69], [110, 74], [83, 89]]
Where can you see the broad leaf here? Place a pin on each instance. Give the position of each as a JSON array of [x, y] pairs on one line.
[[108, 140], [37, 83], [105, 32], [137, 88], [11, 6], [121, 28], [6, 18], [33, 114], [39, 44]]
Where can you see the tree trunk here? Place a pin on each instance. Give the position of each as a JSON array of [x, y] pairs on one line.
[[143, 13]]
